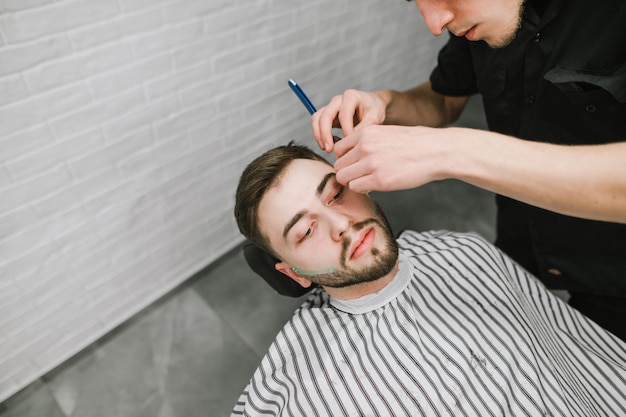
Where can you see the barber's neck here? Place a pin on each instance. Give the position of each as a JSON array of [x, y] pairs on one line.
[[360, 290]]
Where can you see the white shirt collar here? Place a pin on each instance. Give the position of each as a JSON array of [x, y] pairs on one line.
[[378, 299]]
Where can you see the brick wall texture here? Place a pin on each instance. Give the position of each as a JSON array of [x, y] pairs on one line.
[[124, 126]]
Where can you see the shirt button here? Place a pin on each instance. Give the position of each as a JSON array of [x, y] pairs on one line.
[[590, 107], [555, 272], [531, 99], [537, 37]]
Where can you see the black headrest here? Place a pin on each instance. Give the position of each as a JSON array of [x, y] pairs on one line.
[[263, 264]]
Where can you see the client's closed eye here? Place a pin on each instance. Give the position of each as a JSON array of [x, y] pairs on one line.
[[307, 233]]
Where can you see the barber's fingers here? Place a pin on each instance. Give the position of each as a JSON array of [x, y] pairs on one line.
[[360, 108], [351, 162], [323, 121], [379, 158], [315, 127], [359, 177], [363, 184], [346, 111], [345, 145], [351, 101], [348, 171], [319, 132], [365, 140]]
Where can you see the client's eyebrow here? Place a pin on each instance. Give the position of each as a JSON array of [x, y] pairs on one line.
[[301, 214], [322, 185]]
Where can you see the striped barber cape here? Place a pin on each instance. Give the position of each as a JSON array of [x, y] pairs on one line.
[[462, 330]]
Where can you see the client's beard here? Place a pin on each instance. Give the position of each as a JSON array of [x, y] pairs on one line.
[[384, 258]]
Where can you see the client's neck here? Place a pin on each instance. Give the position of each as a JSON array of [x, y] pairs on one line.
[[359, 290]]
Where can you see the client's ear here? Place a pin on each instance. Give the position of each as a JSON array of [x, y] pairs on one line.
[[287, 270], [264, 265]]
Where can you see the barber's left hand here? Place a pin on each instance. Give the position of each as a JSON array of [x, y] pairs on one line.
[[387, 158]]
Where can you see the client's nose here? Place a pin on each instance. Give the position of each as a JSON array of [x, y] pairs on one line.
[[339, 223]]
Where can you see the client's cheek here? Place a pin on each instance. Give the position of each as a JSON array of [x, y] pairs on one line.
[[321, 252]]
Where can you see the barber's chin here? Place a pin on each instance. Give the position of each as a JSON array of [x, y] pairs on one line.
[[504, 39]]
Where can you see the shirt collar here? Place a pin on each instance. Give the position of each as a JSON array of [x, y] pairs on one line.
[[378, 299], [540, 12]]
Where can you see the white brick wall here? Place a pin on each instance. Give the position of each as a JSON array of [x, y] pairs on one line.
[[124, 126]]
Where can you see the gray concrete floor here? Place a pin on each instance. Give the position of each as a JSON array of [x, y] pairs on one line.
[[192, 352]]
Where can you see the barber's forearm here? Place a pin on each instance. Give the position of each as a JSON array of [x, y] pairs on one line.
[[421, 106], [581, 181]]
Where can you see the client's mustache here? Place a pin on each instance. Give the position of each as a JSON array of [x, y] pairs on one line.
[[345, 245]]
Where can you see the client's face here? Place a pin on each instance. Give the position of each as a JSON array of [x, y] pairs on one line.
[[331, 235]]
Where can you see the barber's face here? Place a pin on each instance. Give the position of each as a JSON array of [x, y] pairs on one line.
[[494, 21], [315, 224]]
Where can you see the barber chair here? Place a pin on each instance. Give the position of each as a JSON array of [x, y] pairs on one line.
[[262, 263]]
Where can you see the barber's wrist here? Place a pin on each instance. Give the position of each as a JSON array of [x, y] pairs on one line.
[[474, 158], [453, 154], [388, 98]]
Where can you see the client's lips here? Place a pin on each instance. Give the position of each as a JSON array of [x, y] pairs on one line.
[[363, 244]]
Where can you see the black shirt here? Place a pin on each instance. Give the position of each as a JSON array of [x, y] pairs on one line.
[[561, 80]]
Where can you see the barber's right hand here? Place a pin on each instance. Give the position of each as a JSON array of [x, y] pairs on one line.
[[346, 111]]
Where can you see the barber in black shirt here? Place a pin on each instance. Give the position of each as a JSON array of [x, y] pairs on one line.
[[552, 76]]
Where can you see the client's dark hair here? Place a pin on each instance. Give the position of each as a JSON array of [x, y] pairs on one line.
[[258, 177]]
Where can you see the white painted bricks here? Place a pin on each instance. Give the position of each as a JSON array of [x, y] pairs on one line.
[[124, 126]]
